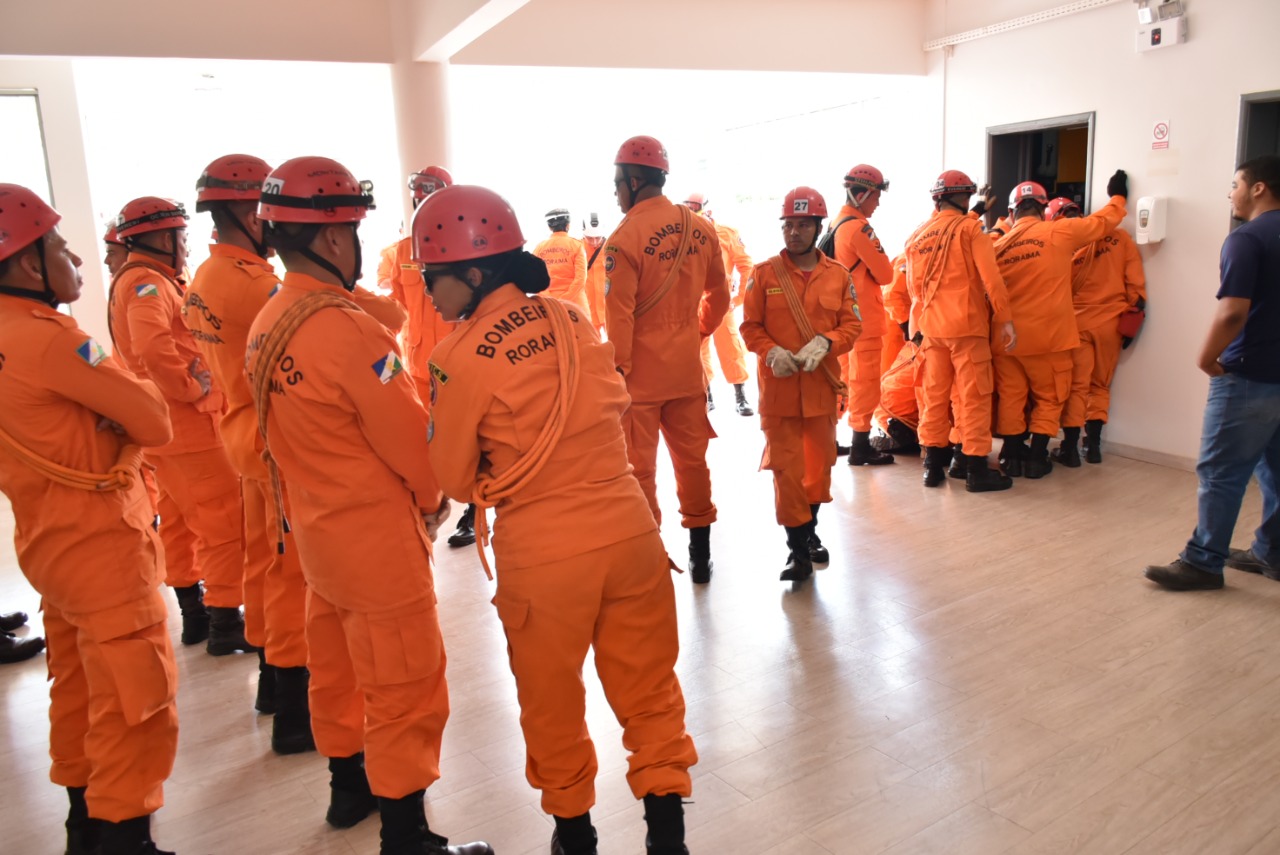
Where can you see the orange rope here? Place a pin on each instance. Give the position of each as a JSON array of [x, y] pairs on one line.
[[119, 477], [941, 247], [803, 322]]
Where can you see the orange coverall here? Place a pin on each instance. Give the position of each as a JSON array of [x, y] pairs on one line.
[[956, 293], [730, 349], [400, 274], [858, 249], [349, 434], [657, 352], [200, 509], [567, 263], [580, 563], [1035, 262], [93, 558], [1107, 277], [595, 282], [897, 310], [798, 413]]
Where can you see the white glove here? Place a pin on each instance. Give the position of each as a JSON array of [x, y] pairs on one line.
[[781, 362], [811, 355], [434, 521]]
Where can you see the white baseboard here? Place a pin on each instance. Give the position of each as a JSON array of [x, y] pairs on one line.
[[1146, 455]]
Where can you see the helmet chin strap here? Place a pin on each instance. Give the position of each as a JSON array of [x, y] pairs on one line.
[[259, 245], [47, 295], [948, 201], [172, 254], [348, 284]]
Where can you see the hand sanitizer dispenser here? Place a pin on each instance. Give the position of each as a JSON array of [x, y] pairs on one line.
[[1151, 213]]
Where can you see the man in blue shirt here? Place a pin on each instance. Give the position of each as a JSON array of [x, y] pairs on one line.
[[1241, 355]]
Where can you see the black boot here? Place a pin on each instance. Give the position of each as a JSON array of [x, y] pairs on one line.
[[818, 553], [935, 465], [465, 533], [131, 837], [959, 468], [1013, 454], [405, 832], [574, 836], [84, 835], [265, 703], [195, 618], [10, 621], [700, 563], [664, 815], [350, 799], [740, 399], [1037, 464], [226, 632], [799, 565], [862, 454], [904, 439], [14, 649], [1068, 451], [291, 729], [982, 478], [1093, 440], [711, 405]]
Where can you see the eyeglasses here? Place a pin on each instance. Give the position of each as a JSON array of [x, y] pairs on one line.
[[429, 277]]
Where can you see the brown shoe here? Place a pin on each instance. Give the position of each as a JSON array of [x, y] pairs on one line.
[[1244, 559], [1181, 576], [9, 621]]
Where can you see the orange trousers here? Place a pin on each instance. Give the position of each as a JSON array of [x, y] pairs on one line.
[[618, 600], [113, 722], [900, 389], [962, 364], [1045, 378], [1093, 367], [730, 348], [800, 453], [200, 524], [891, 343], [378, 686], [684, 426], [275, 592], [863, 379]]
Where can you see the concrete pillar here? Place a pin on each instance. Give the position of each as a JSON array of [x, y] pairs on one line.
[[421, 91]]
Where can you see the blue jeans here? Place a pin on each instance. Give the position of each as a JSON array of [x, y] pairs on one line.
[[1241, 436]]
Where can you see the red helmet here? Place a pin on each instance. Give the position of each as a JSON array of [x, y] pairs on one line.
[[803, 202], [1028, 190], [111, 236], [24, 218], [314, 190], [643, 151], [866, 176], [953, 181], [1060, 207], [698, 199], [463, 223], [150, 214], [231, 178], [430, 179]]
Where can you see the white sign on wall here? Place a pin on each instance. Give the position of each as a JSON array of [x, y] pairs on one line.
[[1160, 135]]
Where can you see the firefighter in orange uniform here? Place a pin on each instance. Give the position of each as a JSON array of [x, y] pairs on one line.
[[527, 419], [398, 273], [116, 253], [566, 260], [799, 314], [70, 430], [593, 246], [199, 505], [897, 314], [342, 420], [1107, 281], [956, 294], [665, 292], [1034, 258], [730, 348]]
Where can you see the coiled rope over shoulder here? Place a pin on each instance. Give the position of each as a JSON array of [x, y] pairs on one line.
[[119, 477]]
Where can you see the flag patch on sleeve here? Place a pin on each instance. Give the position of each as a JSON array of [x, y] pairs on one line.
[[91, 352], [388, 367], [146, 290]]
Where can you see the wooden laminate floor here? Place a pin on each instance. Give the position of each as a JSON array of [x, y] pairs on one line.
[[972, 675]]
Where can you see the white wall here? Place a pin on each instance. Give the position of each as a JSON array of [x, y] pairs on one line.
[[1087, 62]]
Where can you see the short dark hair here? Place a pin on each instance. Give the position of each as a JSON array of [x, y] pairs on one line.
[[651, 175], [224, 212], [1264, 169]]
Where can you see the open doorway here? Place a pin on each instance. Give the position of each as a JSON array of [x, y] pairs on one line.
[[1057, 153], [1259, 125]]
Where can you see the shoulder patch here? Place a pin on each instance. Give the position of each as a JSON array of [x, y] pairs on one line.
[[388, 367], [771, 291], [608, 263], [437, 373], [146, 290], [91, 352], [868, 231], [431, 427], [751, 284], [275, 289]]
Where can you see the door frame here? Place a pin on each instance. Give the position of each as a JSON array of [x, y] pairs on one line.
[[1247, 101], [1073, 120]]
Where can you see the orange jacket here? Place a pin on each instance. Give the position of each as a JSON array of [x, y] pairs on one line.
[[144, 314], [897, 301], [734, 253], [859, 250], [83, 551], [350, 436], [957, 294], [567, 263], [400, 274], [1108, 278], [492, 399], [595, 284], [1035, 262], [660, 352], [830, 301]]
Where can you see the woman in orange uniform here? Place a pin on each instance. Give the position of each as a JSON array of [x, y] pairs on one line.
[[800, 313], [84, 540], [527, 419]]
